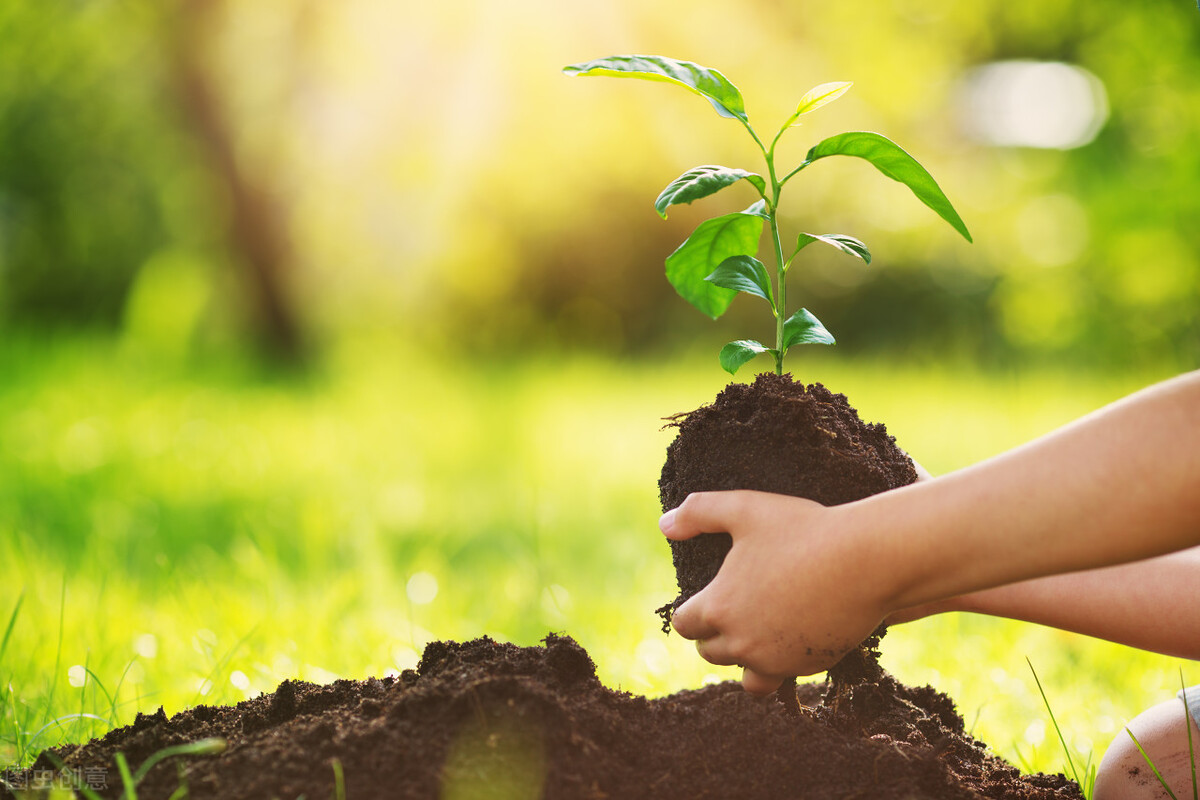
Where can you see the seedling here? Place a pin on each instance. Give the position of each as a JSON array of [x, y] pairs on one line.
[[719, 259]]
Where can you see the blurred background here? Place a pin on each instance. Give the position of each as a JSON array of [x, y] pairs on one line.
[[328, 329]]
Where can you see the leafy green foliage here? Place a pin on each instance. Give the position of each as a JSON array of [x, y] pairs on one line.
[[821, 95], [701, 182], [743, 274], [803, 328], [88, 175], [735, 354], [699, 256], [718, 259], [839, 241], [893, 161], [707, 83]]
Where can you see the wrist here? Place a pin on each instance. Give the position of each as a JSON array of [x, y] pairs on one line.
[[876, 566], [900, 540]]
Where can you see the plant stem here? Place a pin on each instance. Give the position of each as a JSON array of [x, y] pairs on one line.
[[780, 265]]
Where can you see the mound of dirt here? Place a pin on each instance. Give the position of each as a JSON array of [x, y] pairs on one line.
[[483, 719]]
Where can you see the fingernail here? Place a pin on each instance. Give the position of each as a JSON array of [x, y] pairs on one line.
[[667, 521]]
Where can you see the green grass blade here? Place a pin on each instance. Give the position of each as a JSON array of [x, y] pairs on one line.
[[339, 781], [1026, 764], [223, 662], [182, 792], [1089, 788], [19, 739], [1062, 739], [81, 787], [12, 622], [83, 692], [1187, 724], [1151, 764], [59, 722], [127, 779], [110, 698], [203, 747], [112, 711], [62, 607]]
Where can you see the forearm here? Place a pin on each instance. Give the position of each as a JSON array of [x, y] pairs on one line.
[[1152, 604], [1119, 485]]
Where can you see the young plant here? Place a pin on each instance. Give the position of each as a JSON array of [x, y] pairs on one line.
[[719, 259]]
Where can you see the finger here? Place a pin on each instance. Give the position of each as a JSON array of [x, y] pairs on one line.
[[702, 512], [758, 683], [715, 651], [688, 620]]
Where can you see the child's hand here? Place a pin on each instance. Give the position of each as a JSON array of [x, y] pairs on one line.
[[793, 594]]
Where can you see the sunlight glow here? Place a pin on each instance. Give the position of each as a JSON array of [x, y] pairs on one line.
[[77, 676], [422, 588], [1042, 104]]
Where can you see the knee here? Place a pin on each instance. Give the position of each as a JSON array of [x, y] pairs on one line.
[[1163, 731]]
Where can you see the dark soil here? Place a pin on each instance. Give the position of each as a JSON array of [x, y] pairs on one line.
[[490, 720], [776, 435]]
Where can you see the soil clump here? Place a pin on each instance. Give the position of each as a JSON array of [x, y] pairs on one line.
[[776, 435], [486, 719], [772, 435]]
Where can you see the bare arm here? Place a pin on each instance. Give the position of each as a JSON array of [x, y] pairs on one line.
[[804, 583], [1152, 604]]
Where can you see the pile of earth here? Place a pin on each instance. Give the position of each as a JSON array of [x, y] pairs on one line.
[[492, 720]]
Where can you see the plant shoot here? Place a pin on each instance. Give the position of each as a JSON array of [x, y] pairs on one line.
[[719, 259]]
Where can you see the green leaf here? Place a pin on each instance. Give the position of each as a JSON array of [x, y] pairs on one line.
[[803, 328], [708, 83], [735, 354], [743, 274], [711, 243], [821, 95], [702, 181], [758, 209], [890, 159], [847, 244]]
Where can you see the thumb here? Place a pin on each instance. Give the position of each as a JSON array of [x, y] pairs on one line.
[[703, 512]]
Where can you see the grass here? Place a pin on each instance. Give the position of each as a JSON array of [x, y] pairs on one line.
[[1191, 744], [172, 537], [1087, 783]]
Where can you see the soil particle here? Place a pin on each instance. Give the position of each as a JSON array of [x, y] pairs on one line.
[[485, 719]]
